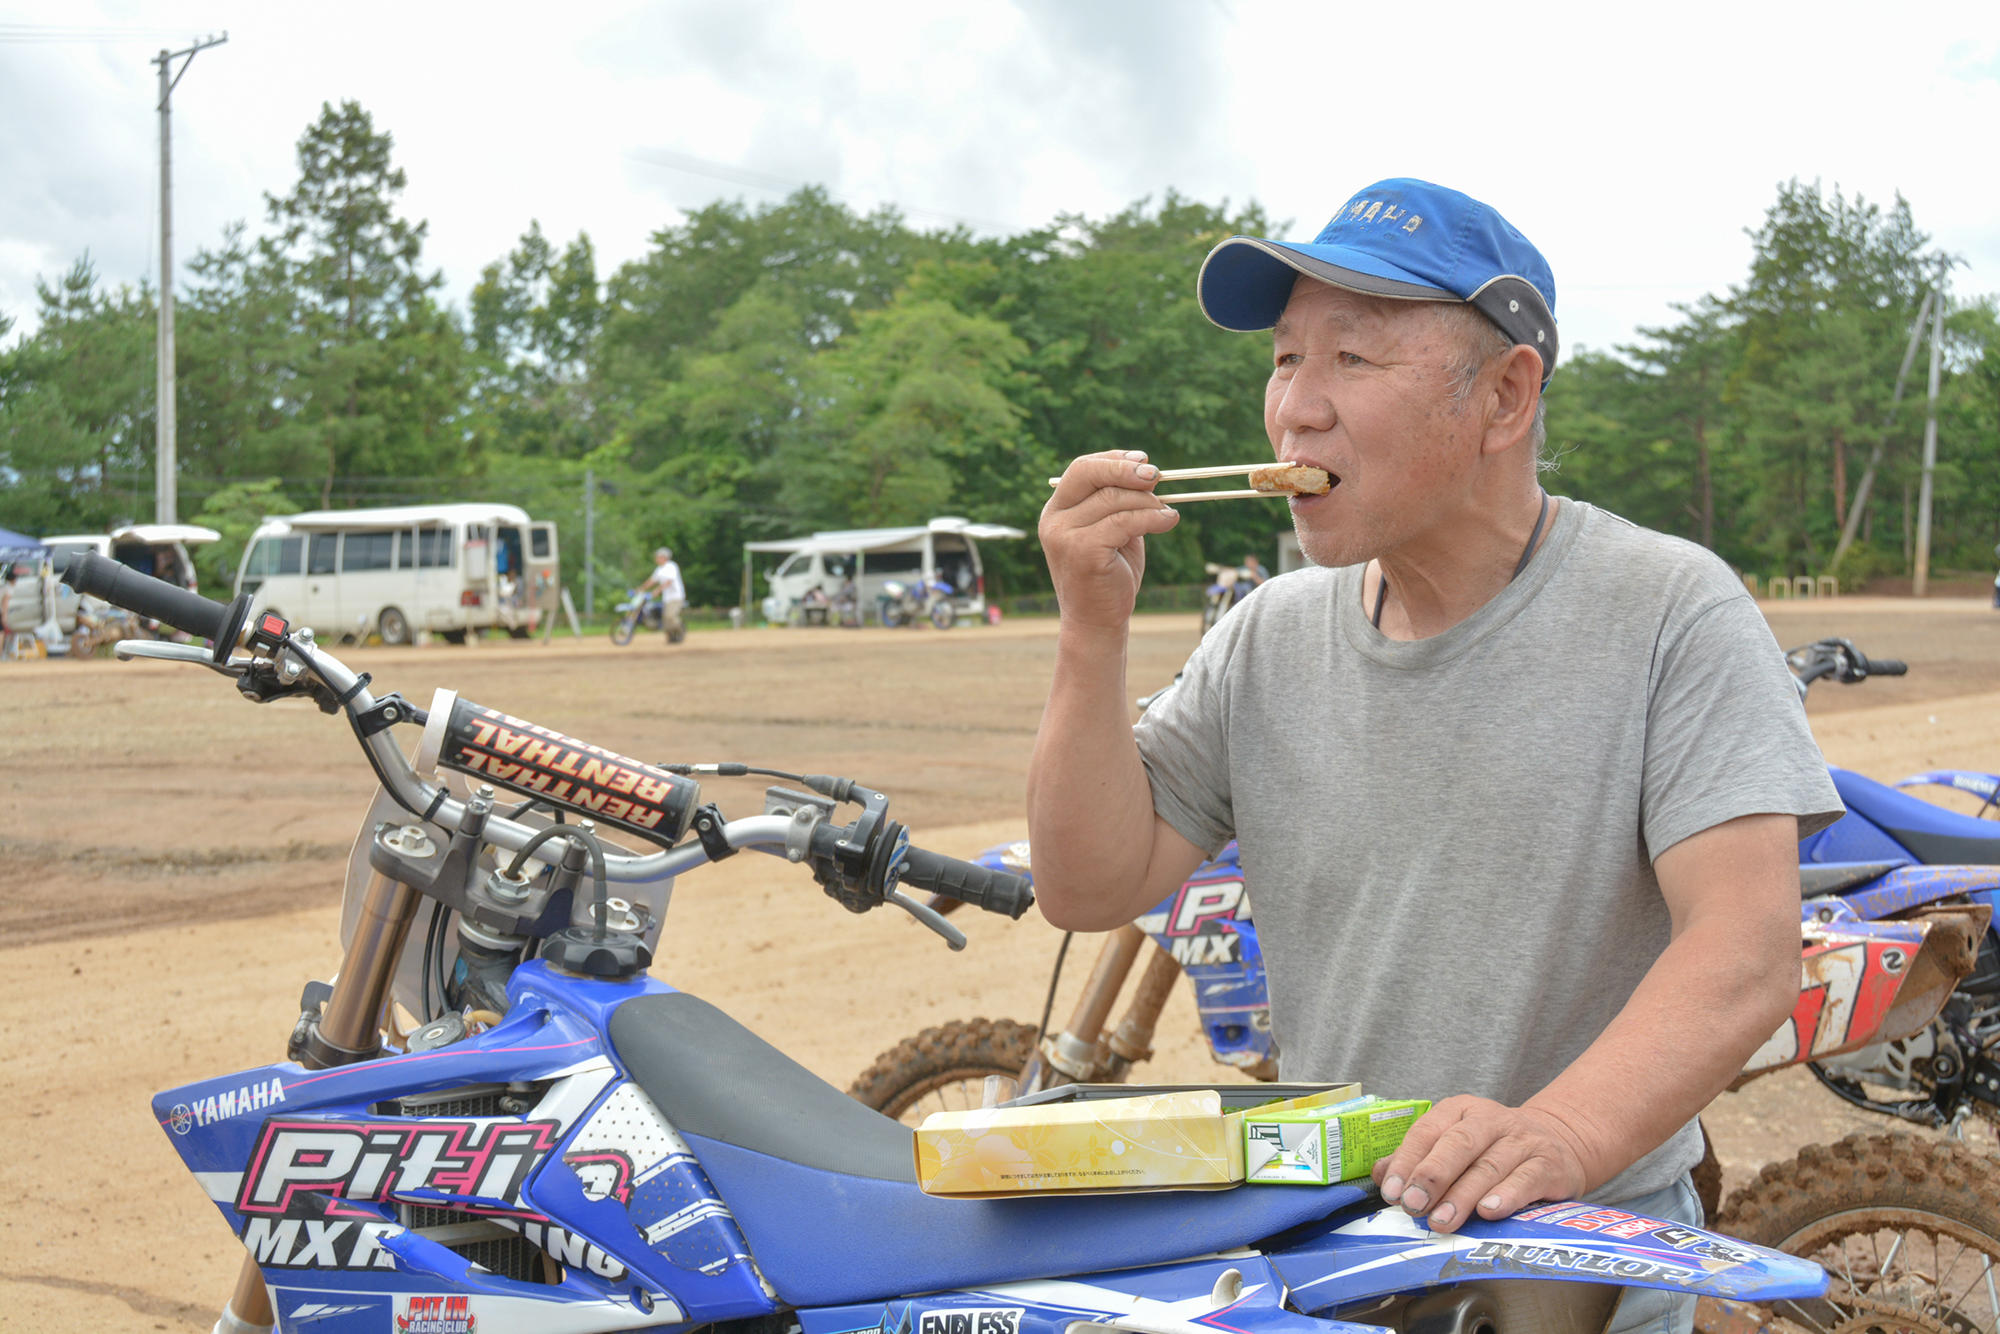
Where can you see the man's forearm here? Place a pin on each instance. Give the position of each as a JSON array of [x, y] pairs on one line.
[[1090, 809], [1705, 1006]]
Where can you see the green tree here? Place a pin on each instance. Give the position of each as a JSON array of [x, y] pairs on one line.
[[909, 405], [535, 321], [234, 510], [76, 408], [1822, 316], [373, 375]]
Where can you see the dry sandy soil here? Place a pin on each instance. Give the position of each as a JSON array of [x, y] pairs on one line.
[[173, 860]]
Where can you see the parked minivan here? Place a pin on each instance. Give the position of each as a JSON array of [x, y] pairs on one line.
[[158, 549], [945, 549], [450, 569]]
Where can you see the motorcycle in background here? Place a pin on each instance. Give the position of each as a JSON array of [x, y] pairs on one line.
[[906, 603], [563, 1143], [644, 609], [1228, 585]]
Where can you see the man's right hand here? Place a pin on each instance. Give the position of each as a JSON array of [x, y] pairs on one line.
[[1093, 534]]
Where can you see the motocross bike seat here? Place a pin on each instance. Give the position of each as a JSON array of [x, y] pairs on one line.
[[1934, 835], [825, 1188]]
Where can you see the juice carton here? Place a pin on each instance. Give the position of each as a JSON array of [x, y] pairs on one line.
[[1315, 1146]]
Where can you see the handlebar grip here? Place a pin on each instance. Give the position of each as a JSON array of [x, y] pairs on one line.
[[1887, 667], [995, 891], [154, 599]]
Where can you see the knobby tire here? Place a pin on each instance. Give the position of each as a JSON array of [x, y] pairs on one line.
[[943, 1068], [1904, 1225]]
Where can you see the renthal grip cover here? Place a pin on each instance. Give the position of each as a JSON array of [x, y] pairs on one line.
[[534, 761]]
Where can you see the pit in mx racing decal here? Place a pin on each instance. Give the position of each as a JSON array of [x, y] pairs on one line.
[[1197, 924], [476, 1165]]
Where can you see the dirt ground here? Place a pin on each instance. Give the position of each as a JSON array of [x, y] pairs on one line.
[[173, 860]]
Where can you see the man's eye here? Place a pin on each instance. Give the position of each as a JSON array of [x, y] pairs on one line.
[[1350, 359]]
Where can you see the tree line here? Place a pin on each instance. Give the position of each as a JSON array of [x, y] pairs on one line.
[[766, 371]]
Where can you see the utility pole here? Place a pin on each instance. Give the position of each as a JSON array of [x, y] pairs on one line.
[[589, 542], [1859, 504], [1923, 562], [165, 502]]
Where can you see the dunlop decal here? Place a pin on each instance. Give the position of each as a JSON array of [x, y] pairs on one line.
[[534, 761]]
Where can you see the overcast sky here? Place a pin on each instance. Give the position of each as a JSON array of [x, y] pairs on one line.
[[1633, 144]]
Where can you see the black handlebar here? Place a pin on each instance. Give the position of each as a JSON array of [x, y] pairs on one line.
[[980, 886], [155, 599], [1841, 660]]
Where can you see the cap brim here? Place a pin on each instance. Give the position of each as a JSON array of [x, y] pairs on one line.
[[1246, 281]]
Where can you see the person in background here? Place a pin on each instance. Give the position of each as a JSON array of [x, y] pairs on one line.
[[1516, 784], [1253, 569], [665, 584], [167, 567]]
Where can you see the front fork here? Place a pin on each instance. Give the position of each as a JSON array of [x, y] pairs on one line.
[[1082, 1052], [348, 1030]]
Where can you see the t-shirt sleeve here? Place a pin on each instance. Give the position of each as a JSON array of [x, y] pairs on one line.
[[1184, 743], [1726, 735]]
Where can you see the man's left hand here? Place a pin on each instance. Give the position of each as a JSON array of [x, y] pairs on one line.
[[1471, 1153]]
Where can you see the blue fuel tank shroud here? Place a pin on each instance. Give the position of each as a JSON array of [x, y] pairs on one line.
[[1388, 1251], [666, 1236]]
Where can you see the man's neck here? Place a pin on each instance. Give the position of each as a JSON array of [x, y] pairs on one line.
[[1432, 588]]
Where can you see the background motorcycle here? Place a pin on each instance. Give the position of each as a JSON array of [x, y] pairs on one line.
[[563, 1143], [1894, 857], [642, 608], [901, 603], [1229, 585]]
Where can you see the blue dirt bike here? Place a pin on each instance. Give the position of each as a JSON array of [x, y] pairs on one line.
[[563, 1142], [645, 609]]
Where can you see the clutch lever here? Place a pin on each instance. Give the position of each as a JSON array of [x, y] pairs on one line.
[[128, 649], [930, 917]]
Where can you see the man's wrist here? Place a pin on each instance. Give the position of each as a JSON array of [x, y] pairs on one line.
[[1083, 637], [1598, 1160]]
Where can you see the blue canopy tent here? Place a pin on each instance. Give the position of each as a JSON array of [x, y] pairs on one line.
[[17, 548]]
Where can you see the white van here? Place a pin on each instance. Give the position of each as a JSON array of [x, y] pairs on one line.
[[449, 569], [158, 549], [944, 550]]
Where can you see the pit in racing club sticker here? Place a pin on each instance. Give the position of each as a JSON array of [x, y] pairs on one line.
[[436, 1315]]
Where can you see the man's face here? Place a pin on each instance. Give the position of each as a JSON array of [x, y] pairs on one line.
[[1361, 386]]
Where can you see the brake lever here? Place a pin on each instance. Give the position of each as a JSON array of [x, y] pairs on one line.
[[161, 651], [929, 917]]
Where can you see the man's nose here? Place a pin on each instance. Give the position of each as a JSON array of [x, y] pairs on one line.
[[1305, 401]]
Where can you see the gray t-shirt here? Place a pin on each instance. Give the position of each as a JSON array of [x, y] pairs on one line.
[[1449, 843]]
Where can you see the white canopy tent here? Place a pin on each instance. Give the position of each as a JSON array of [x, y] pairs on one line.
[[858, 542]]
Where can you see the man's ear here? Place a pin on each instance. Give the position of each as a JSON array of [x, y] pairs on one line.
[[1516, 392]]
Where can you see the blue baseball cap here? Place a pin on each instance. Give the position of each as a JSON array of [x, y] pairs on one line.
[[1404, 239]]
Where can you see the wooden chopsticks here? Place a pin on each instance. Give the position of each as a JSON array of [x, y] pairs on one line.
[[1225, 470]]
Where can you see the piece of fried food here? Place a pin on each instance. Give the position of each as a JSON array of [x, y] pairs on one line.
[[1290, 479]]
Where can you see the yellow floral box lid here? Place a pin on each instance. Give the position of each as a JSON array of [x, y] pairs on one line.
[[1161, 1141]]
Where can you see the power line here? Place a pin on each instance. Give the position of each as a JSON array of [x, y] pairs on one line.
[[31, 33]]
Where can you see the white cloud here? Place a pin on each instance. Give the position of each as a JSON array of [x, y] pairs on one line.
[[1635, 146]]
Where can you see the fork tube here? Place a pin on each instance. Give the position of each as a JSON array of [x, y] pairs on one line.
[[350, 1019], [1075, 1049], [346, 1029], [1133, 1042]]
